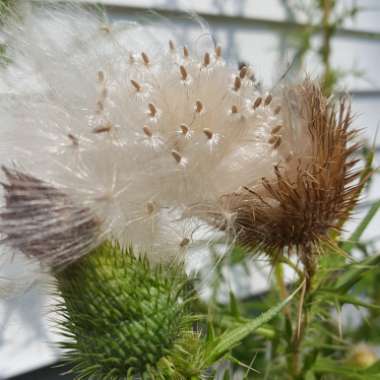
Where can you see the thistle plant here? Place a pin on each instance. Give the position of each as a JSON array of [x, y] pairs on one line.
[[132, 151]]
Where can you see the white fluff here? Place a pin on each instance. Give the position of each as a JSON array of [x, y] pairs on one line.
[[134, 128]]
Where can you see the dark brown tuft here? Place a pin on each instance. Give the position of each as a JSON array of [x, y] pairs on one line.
[[43, 222]]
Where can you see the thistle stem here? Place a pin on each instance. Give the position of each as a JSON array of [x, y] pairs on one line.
[[290, 263], [299, 333], [279, 274], [328, 79]]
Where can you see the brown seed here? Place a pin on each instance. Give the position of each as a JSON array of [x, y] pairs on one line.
[[185, 52], [136, 85], [147, 131], [277, 110], [104, 93], [237, 84], [183, 72], [289, 157], [277, 143], [257, 102], [171, 45], [272, 139], [150, 208], [234, 109], [198, 106], [208, 133], [184, 242], [145, 58], [99, 106], [276, 129], [206, 59], [218, 51], [101, 76], [268, 100], [152, 109], [105, 28], [184, 129], [243, 72], [73, 139], [176, 155], [103, 129]]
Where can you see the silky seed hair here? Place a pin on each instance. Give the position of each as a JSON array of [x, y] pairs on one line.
[[147, 139]]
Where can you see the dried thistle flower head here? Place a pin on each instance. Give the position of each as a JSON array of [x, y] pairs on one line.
[[133, 128], [311, 189]]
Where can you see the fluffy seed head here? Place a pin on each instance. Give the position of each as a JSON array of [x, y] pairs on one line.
[[157, 143]]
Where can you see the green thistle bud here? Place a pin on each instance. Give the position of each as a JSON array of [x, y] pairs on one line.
[[125, 319]]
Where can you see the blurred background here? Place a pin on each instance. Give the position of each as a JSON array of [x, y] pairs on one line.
[[338, 41]]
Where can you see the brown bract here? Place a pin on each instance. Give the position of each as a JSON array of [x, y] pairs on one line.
[[306, 196], [43, 222]]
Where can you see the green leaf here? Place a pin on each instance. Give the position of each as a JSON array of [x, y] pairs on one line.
[[233, 336], [346, 298], [310, 376], [309, 360], [373, 369], [234, 307], [355, 273], [350, 372], [210, 332], [354, 239]]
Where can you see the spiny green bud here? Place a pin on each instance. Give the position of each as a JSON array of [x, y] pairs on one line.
[[125, 319]]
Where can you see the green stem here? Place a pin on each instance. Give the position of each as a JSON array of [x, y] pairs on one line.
[[328, 79], [283, 292], [299, 335], [290, 263]]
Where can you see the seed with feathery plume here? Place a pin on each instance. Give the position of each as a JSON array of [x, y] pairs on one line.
[[257, 102], [218, 52], [234, 109], [186, 53], [145, 59]]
